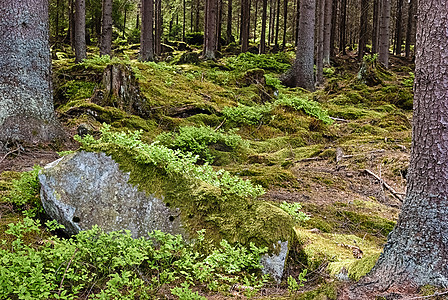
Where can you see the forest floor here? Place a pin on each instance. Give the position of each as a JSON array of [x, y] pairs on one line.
[[349, 176]]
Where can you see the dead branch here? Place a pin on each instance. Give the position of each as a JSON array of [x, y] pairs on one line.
[[10, 152], [383, 183], [219, 126], [426, 297], [339, 120]]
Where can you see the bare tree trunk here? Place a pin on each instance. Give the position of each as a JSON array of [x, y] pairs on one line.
[[383, 47], [399, 27], [363, 29], [333, 32], [229, 37], [26, 100], [147, 37], [158, 27], [262, 49], [198, 7], [327, 31], [255, 20], [277, 25], [184, 20], [245, 20], [302, 72], [271, 22], [285, 23], [106, 28], [80, 31], [210, 20], [410, 27], [320, 41], [219, 25], [375, 25], [416, 251], [342, 28], [124, 22], [137, 21]]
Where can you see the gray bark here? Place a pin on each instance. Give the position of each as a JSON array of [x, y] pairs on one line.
[[80, 31], [106, 28], [363, 28], [320, 42], [210, 29], [26, 101], [147, 37], [262, 48], [398, 27], [327, 31], [245, 21], [416, 251], [410, 34], [383, 36]]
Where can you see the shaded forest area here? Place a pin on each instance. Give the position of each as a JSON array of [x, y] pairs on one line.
[[215, 80]]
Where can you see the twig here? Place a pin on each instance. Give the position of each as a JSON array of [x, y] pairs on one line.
[[65, 272], [429, 296], [219, 126], [10, 152], [383, 183], [339, 120]]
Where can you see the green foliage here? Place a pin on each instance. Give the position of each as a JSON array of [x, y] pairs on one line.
[[311, 108], [185, 293], [294, 210], [195, 38], [98, 62], [293, 286], [198, 139], [75, 89], [278, 62], [25, 190], [116, 266], [247, 115], [409, 82], [174, 161], [273, 81]]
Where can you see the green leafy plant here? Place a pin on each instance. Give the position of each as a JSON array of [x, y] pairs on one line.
[[278, 62], [294, 210], [198, 139], [248, 115], [25, 190], [293, 286], [173, 161], [311, 108]]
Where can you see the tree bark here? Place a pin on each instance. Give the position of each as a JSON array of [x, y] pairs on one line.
[[416, 251], [245, 20], [147, 37], [106, 28], [342, 27], [80, 31], [327, 31], [210, 28], [375, 25], [26, 100], [383, 47], [262, 49], [277, 25], [363, 29], [334, 17], [410, 27], [229, 37], [302, 72], [158, 28], [398, 27], [285, 23], [320, 41]]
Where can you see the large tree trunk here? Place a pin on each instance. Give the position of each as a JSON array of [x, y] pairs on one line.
[[320, 41], [147, 37], [245, 20], [80, 31], [375, 25], [342, 27], [302, 72], [285, 23], [262, 48], [277, 25], [334, 17], [416, 251], [383, 46], [106, 28], [210, 27], [229, 37], [158, 27], [26, 102]]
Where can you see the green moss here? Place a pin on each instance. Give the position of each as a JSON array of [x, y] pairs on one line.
[[327, 291], [268, 176], [361, 267]]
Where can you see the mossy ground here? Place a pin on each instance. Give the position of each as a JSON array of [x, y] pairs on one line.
[[291, 154]]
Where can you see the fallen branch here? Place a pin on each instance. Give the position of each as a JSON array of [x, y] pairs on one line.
[[388, 187], [10, 152], [339, 120], [426, 297], [219, 126]]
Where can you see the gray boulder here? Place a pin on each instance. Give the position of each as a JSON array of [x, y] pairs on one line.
[[86, 188]]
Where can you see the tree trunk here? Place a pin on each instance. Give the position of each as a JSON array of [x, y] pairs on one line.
[[334, 17], [158, 27], [229, 37], [375, 25], [327, 31], [342, 27], [137, 21], [285, 23], [124, 21], [26, 101], [383, 47], [410, 27], [363, 28], [416, 251], [80, 31], [198, 7], [262, 49], [277, 25], [320, 41], [398, 27], [106, 28], [184, 20], [210, 27], [219, 25], [146, 37], [245, 20], [271, 22], [255, 20], [302, 72]]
